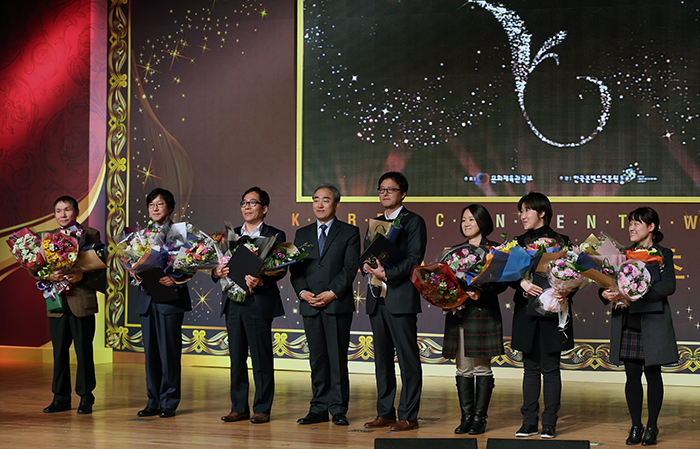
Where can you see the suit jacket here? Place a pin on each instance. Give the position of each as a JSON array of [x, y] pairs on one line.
[[658, 336], [81, 298], [266, 296], [524, 325], [334, 270], [402, 296]]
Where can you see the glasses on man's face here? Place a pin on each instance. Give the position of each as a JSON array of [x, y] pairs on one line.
[[251, 203], [389, 190], [158, 205]]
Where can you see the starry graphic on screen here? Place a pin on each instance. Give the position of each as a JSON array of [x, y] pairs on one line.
[[486, 98]]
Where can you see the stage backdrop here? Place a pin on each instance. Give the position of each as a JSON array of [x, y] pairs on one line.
[[593, 103]]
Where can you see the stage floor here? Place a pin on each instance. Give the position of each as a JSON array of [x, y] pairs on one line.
[[590, 411]]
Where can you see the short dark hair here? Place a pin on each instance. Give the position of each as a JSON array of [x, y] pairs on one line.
[[331, 187], [539, 203], [482, 218], [264, 197], [397, 177], [67, 199], [165, 194], [648, 216]]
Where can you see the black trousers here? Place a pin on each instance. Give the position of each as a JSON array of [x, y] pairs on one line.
[[246, 329], [80, 331], [541, 366], [396, 333], [328, 337], [162, 345]]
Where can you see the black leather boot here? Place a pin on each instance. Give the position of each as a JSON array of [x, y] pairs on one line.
[[484, 388], [465, 392]]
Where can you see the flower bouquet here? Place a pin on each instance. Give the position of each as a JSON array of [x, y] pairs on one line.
[[60, 250], [633, 281], [283, 255], [198, 253], [465, 261], [438, 285], [245, 256], [647, 255], [25, 246], [542, 245], [564, 276], [142, 249]]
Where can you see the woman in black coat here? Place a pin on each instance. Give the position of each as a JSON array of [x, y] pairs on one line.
[[474, 333], [538, 337], [642, 335]]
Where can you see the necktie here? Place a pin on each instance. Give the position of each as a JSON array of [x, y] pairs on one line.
[[322, 239]]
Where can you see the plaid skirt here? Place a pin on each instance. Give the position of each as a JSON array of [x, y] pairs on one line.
[[631, 347]]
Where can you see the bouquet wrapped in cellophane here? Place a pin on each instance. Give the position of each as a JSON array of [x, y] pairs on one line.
[[282, 256], [199, 252]]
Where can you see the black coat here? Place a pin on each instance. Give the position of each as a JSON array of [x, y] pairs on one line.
[[658, 336], [482, 322], [525, 325]]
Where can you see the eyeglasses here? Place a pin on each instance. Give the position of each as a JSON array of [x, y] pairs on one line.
[[388, 190], [158, 205], [251, 203]]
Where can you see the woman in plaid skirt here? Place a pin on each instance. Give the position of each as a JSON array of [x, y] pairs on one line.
[[474, 332], [642, 335]]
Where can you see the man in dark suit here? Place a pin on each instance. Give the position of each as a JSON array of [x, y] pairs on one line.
[[161, 325], [249, 323], [393, 304], [323, 283], [76, 322]]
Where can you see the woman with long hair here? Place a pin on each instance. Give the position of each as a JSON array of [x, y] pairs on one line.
[[474, 332], [642, 335]]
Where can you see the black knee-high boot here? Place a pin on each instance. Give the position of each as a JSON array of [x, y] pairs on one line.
[[465, 392], [484, 388]]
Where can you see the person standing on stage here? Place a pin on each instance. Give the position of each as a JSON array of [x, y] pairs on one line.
[[76, 322], [323, 283], [474, 332], [249, 323], [161, 325], [393, 309], [641, 333], [537, 336]]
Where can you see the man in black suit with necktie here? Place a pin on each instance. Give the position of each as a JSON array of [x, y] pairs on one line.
[[393, 307], [249, 323], [323, 283]]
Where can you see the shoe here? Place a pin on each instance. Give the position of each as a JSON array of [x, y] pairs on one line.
[[259, 418], [379, 422], [166, 413], [484, 389], [57, 407], [635, 437], [339, 419], [650, 434], [402, 425], [313, 418], [465, 393], [85, 407], [527, 430], [148, 411], [548, 431], [234, 416]]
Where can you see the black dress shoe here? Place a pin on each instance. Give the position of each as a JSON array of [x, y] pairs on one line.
[[57, 407], [636, 433], [148, 411], [166, 413], [650, 434], [313, 418], [339, 419], [85, 407]]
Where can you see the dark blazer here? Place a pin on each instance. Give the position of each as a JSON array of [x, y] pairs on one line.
[[81, 298], [334, 270], [658, 336], [524, 325], [267, 296], [402, 296]]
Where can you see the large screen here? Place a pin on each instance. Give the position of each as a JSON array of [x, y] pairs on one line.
[[574, 99]]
